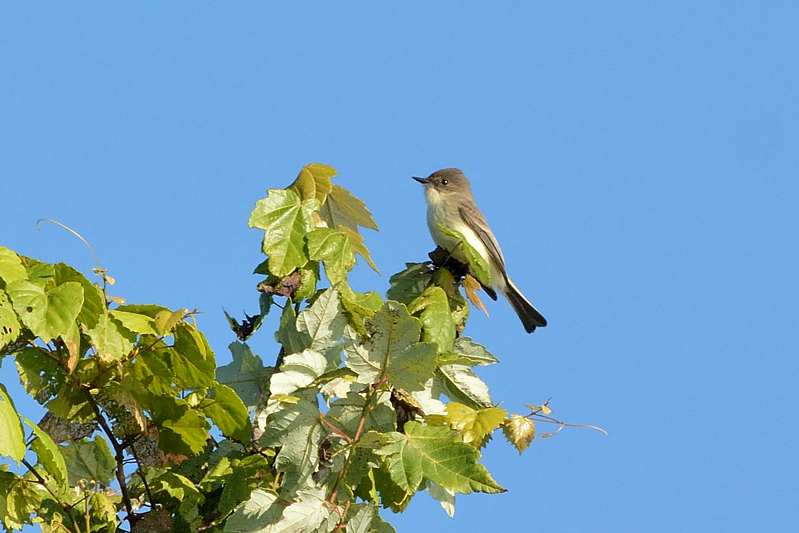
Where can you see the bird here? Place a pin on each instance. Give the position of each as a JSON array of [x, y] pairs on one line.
[[452, 211]]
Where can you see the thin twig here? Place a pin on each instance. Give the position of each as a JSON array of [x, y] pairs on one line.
[[67, 509], [119, 457], [142, 476]]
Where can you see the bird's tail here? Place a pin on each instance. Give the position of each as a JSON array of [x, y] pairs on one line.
[[528, 314]]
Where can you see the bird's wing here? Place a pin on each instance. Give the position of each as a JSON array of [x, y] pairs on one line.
[[475, 220]]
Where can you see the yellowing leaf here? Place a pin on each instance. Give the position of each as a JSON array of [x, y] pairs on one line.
[[472, 285], [543, 409], [520, 431], [314, 181], [475, 426]]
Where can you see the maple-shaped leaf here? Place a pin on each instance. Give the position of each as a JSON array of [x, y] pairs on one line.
[[435, 453], [285, 219], [314, 181]]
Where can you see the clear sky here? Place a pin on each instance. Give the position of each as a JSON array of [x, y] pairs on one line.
[[638, 161]]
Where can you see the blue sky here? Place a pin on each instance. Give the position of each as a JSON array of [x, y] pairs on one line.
[[637, 160]]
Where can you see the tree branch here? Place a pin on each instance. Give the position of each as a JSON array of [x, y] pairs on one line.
[[119, 457]]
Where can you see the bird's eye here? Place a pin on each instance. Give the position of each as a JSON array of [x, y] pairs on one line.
[[444, 181]]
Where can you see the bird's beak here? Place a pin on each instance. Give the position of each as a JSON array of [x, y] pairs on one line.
[[423, 181]]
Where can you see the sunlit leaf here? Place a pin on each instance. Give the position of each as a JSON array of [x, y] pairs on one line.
[[474, 425], [323, 325], [229, 413], [12, 439], [467, 352], [432, 307], [520, 431], [110, 340], [460, 383], [49, 455], [285, 219], [314, 181], [135, 322], [9, 323], [297, 371], [47, 314], [432, 452], [409, 284], [11, 267]]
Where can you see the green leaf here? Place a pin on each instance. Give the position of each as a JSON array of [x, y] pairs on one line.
[[296, 429], [359, 247], [437, 324], [21, 498], [111, 341], [287, 334], [11, 268], [392, 350], [323, 325], [192, 359], [347, 413], [246, 374], [135, 322], [150, 310], [432, 452], [359, 305], [365, 519], [478, 266], [314, 181], [176, 487], [474, 425], [412, 367], [298, 371], [443, 496], [230, 414], [93, 299], [49, 455], [285, 219], [462, 384], [256, 514], [185, 434], [467, 352], [343, 209], [310, 513], [9, 323], [12, 439], [166, 320], [409, 284], [40, 374], [334, 249], [47, 314], [89, 460]]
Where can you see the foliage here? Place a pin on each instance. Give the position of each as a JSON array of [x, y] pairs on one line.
[[142, 426]]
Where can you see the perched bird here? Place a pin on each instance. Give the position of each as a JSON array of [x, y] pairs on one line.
[[451, 210]]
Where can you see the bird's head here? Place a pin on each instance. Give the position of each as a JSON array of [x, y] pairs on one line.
[[444, 183]]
